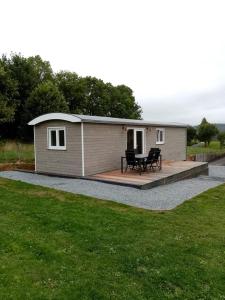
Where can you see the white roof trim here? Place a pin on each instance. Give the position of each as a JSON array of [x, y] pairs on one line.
[[96, 119], [110, 120], [55, 116]]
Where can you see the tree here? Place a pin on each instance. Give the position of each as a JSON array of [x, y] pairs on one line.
[[95, 96], [221, 138], [73, 89], [90, 95], [122, 103], [28, 88], [8, 92], [45, 98], [28, 73], [6, 112], [191, 134], [206, 131]]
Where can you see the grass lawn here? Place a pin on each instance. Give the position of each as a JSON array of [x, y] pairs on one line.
[[56, 245], [11, 152], [214, 147]]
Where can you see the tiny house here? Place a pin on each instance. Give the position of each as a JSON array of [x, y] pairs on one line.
[[81, 145]]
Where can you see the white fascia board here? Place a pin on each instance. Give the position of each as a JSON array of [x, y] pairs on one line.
[[82, 148], [55, 116]]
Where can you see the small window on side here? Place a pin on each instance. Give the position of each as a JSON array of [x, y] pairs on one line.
[[57, 138], [160, 136]]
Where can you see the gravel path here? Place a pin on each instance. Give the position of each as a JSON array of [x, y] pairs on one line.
[[160, 198]]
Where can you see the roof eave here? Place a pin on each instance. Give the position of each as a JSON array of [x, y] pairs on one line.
[[135, 123]]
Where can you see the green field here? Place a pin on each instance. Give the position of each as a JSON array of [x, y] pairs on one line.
[[11, 152], [56, 245], [214, 147]]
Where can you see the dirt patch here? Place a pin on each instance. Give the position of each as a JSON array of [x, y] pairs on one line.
[[14, 166]]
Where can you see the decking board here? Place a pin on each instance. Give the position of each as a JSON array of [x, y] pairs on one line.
[[171, 171]]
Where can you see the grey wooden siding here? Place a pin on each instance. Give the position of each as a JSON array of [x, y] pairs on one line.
[[65, 162], [174, 147], [105, 144]]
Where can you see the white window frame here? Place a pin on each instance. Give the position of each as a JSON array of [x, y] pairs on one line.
[[163, 136], [57, 129], [135, 138]]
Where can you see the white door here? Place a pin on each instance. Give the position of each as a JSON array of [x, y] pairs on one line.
[[136, 140]]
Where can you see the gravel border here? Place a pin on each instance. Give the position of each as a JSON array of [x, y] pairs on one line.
[[164, 197]]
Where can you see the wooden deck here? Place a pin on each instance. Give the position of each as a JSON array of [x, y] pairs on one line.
[[171, 171]]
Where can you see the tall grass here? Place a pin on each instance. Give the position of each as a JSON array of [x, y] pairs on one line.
[[12, 152]]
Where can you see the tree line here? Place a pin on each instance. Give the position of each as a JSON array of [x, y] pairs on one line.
[[29, 88], [205, 132]]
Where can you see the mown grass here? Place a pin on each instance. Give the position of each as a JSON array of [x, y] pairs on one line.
[[56, 245], [11, 152], [214, 147]]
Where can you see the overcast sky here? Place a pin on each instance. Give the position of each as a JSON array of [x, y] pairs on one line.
[[170, 52]]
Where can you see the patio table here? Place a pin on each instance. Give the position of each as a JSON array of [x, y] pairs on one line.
[[139, 157]]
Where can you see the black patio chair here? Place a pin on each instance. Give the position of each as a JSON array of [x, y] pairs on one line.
[[132, 162], [156, 159], [155, 149], [153, 159], [149, 161]]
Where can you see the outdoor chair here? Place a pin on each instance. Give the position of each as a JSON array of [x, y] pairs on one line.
[[156, 159], [153, 159], [155, 149], [132, 162], [149, 161]]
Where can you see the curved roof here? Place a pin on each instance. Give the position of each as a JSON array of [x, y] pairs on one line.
[[55, 116], [96, 119]]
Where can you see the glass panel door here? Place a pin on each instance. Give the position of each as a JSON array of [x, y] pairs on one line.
[[130, 139], [139, 142]]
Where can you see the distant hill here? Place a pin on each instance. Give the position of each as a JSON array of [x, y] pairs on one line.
[[220, 126]]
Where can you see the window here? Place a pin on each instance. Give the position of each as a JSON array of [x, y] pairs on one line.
[[160, 135], [57, 138]]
